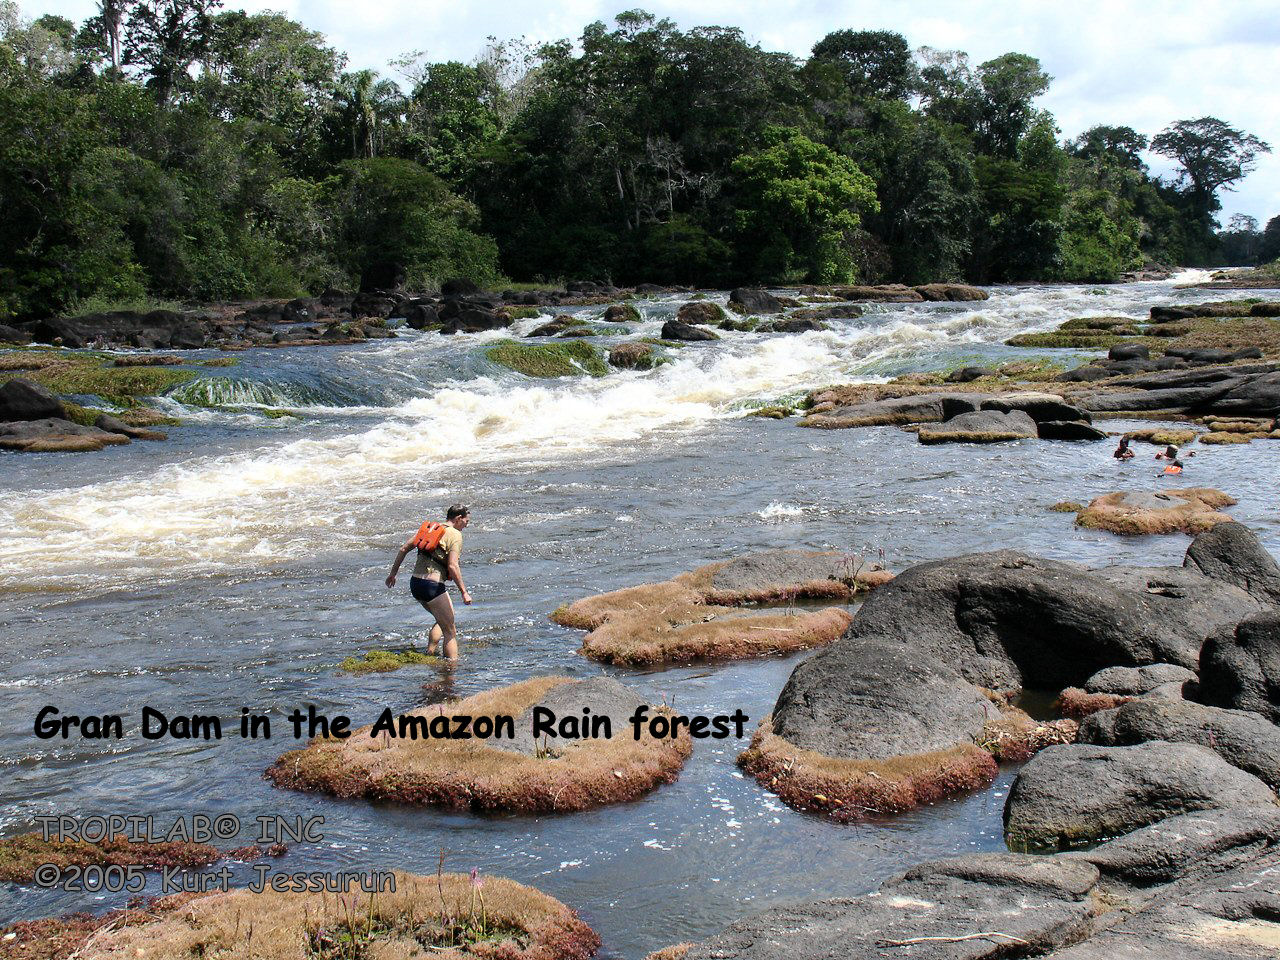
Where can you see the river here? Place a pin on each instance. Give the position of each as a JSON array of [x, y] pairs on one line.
[[237, 563]]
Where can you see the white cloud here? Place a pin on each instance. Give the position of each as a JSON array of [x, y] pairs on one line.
[[1120, 62]]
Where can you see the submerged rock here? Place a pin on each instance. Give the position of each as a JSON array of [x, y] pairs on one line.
[[1071, 795], [52, 435]]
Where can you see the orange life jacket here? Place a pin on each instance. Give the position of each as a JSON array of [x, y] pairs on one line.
[[429, 535], [1172, 469]]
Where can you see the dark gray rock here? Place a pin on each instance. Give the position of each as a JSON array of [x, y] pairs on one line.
[[602, 696], [749, 301], [925, 408], [1135, 681], [1038, 406], [1129, 351], [1069, 430], [675, 330], [1176, 398], [1038, 902], [1240, 667], [23, 399], [1085, 374], [474, 320], [1072, 795], [874, 699], [1178, 846], [10, 334], [1231, 552], [1008, 620], [1172, 379], [771, 571], [418, 316], [1258, 396], [1243, 739], [981, 426], [1229, 915], [969, 374], [458, 287], [700, 311]]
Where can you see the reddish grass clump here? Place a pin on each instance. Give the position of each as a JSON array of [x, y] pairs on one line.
[[690, 618], [20, 855], [470, 775], [846, 789], [450, 916], [1078, 704]]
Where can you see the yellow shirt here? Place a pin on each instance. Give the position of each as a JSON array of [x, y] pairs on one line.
[[434, 564]]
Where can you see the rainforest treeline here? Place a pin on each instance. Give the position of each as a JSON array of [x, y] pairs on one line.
[[174, 149]]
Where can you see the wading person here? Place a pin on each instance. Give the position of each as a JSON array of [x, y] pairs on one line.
[[439, 547]]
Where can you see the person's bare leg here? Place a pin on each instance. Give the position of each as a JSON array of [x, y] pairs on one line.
[[442, 609], [433, 640]]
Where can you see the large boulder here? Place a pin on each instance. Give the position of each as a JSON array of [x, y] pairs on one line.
[[23, 399], [1231, 553], [1073, 795], [677, 330], [1243, 739], [382, 275], [950, 291], [749, 301], [1240, 666], [1173, 398], [1129, 351], [929, 913], [621, 313], [877, 699], [1038, 406], [1008, 620], [981, 426]]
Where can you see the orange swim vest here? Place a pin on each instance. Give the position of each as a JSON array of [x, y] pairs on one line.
[[429, 535], [1172, 469]]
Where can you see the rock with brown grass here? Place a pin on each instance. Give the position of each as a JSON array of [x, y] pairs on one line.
[[555, 775], [1192, 510], [451, 916], [702, 614]]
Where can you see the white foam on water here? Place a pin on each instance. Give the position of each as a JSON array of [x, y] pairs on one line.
[[291, 496], [775, 511]]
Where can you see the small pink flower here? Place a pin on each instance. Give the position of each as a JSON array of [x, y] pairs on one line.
[[475, 878]]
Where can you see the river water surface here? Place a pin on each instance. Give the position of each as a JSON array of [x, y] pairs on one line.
[[238, 563]]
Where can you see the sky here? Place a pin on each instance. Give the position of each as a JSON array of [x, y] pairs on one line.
[[1118, 62]]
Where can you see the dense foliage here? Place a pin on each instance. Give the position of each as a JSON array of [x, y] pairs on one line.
[[169, 148]]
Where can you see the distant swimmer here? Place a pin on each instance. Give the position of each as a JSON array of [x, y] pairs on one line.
[[1172, 453], [1123, 452], [1175, 467], [439, 547]]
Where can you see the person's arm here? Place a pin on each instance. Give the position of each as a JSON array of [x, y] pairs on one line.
[[395, 567], [455, 574]]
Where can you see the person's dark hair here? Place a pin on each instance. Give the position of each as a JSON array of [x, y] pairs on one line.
[[457, 510]]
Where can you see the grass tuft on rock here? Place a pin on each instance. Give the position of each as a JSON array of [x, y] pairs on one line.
[[1067, 506], [20, 855], [88, 375], [447, 915], [548, 360], [471, 775]]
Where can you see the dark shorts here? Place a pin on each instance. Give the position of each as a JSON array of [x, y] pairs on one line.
[[424, 591]]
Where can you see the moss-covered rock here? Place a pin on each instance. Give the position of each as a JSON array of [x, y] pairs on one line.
[[546, 360], [385, 661], [622, 313], [515, 312], [88, 375]]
